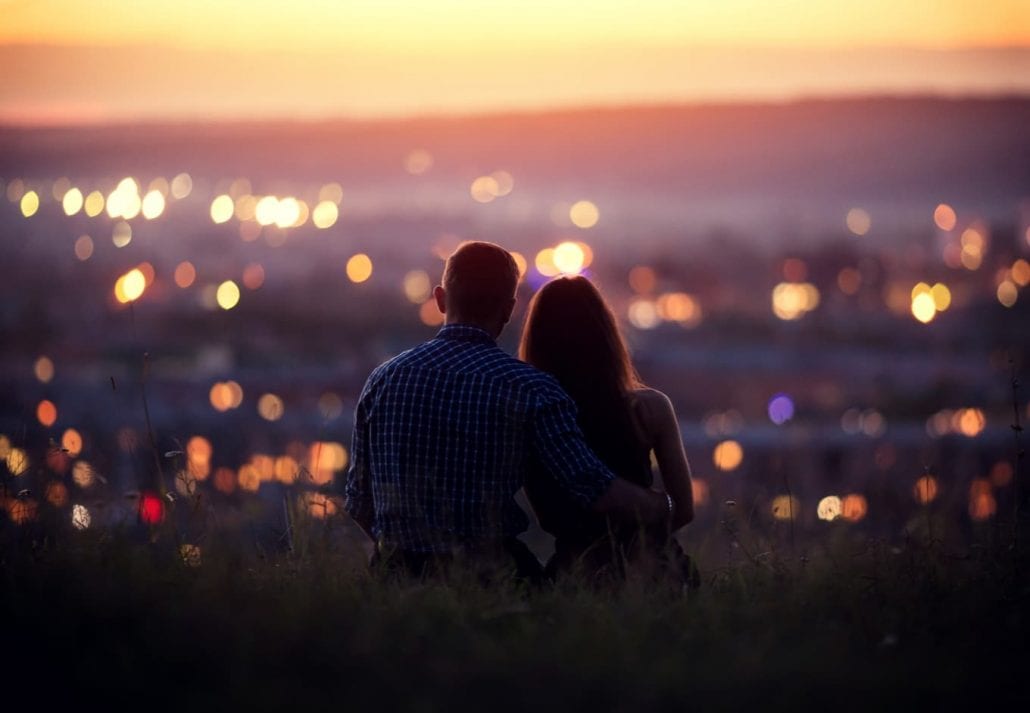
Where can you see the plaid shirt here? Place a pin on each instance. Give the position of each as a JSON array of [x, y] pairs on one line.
[[443, 434]]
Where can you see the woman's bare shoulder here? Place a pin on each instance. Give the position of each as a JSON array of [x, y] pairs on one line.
[[652, 407], [650, 398]]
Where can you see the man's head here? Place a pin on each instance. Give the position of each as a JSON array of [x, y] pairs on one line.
[[478, 286]]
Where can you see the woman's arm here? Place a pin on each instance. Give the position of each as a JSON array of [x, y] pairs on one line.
[[662, 427]]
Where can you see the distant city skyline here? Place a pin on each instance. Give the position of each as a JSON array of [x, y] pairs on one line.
[[73, 62]]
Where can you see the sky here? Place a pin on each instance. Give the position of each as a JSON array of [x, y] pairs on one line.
[[70, 61]]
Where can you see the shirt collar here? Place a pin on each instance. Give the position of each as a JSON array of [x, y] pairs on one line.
[[466, 333]]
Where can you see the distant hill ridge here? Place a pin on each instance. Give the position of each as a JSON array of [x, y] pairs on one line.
[[880, 148]]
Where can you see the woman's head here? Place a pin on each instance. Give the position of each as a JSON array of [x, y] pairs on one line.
[[571, 333]]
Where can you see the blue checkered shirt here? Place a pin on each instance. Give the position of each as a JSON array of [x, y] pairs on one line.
[[443, 434]]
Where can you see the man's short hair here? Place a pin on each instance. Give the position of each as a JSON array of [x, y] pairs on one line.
[[480, 279]]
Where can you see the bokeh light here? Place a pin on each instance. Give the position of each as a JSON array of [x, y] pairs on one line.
[[642, 279], [829, 508], [319, 505], [130, 286], [504, 181], [1001, 474], [858, 221], [227, 295], [185, 274], [484, 189], [222, 209], [544, 263], [121, 234], [982, 504], [854, 507], [325, 215], [151, 508], [153, 204], [83, 474], [94, 204], [1020, 272], [417, 286], [71, 441], [418, 161], [43, 368], [46, 413], [72, 201], [29, 204], [84, 247], [198, 457], [792, 300], [923, 307], [970, 422], [780, 409], [568, 258], [1007, 293], [785, 507], [944, 217], [359, 268], [520, 263], [225, 480], [330, 405], [429, 313], [81, 517], [190, 555], [253, 276], [17, 461], [182, 186], [60, 187], [925, 490], [700, 491], [728, 455], [56, 493], [849, 280], [245, 208], [325, 458], [643, 314], [941, 296], [584, 214], [679, 307], [270, 407], [287, 212]]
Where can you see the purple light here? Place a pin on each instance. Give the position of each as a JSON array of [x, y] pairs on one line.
[[781, 409]]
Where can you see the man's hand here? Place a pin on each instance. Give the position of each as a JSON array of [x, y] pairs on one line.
[[632, 503]]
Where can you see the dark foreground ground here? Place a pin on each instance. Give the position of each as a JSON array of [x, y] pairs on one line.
[[116, 619]]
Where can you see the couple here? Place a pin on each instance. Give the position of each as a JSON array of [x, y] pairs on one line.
[[446, 433]]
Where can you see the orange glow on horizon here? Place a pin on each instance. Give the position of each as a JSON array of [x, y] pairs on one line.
[[206, 59], [195, 23]]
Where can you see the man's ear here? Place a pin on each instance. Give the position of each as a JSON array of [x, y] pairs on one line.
[[441, 298]]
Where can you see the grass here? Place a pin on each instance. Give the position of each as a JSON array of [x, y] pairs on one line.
[[117, 616]]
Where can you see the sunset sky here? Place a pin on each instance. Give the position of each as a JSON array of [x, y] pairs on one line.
[[70, 61]]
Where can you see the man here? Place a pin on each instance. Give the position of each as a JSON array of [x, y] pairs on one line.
[[443, 433]]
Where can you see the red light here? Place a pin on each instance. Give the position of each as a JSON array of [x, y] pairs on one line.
[[151, 509]]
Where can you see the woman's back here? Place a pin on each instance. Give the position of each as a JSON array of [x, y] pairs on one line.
[[621, 444], [571, 333]]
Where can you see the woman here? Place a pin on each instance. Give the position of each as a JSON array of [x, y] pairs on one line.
[[571, 333]]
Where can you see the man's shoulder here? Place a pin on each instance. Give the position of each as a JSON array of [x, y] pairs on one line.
[[484, 360]]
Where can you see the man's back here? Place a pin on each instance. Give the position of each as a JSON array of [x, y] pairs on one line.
[[441, 439]]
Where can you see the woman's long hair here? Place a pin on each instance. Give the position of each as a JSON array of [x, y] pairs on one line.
[[571, 333]]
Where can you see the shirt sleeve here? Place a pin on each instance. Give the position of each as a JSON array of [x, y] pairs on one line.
[[358, 490], [563, 451]]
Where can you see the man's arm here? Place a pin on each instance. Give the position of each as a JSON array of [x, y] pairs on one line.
[[359, 503], [563, 450], [628, 501]]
